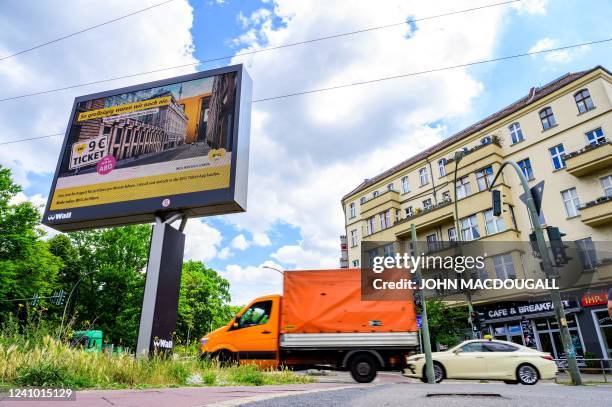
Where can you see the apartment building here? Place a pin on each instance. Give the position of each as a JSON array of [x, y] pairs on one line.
[[558, 134]]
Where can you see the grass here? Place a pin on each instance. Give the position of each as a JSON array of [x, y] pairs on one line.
[[48, 362]]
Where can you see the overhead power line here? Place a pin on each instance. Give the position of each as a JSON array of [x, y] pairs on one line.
[[387, 78], [83, 30], [245, 53]]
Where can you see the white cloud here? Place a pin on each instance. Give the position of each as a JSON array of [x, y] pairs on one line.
[[298, 257], [247, 283], [308, 151], [531, 6], [239, 242], [202, 241], [261, 239], [561, 56], [224, 253], [139, 43]]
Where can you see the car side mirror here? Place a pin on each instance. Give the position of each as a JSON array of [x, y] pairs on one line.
[[457, 351]]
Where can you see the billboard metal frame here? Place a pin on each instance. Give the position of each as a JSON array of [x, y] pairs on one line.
[[193, 204]]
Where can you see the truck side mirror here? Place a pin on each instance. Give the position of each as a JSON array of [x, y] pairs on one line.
[[235, 325]]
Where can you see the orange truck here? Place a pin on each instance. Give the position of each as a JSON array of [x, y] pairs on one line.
[[319, 321]]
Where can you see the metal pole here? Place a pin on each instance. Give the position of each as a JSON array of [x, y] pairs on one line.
[[568, 346], [429, 371], [458, 156]]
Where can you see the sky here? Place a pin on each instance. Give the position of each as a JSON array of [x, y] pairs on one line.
[[306, 151]]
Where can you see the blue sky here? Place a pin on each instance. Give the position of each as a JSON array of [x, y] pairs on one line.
[[306, 151]]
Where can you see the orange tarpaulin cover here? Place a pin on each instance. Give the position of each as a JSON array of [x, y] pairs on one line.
[[329, 301]]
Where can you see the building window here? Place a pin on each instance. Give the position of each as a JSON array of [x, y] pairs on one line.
[[370, 226], [424, 176], [547, 118], [571, 202], [526, 168], [469, 228], [355, 263], [390, 187], [374, 194], [452, 234], [351, 210], [585, 248], [463, 188], [385, 220], [432, 242], [486, 140], [405, 185], [484, 178], [595, 137], [409, 211], [427, 204], [504, 267], [354, 239], [584, 101], [606, 184], [516, 134], [441, 166], [493, 224], [556, 155], [362, 200], [446, 197]]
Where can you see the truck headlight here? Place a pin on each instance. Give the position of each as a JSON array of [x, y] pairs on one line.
[[203, 341]]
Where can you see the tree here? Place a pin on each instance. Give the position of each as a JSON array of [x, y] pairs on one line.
[[27, 267], [203, 301], [446, 324]]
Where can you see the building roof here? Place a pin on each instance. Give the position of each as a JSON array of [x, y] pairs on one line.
[[533, 96]]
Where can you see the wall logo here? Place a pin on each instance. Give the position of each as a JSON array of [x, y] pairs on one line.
[[166, 203], [60, 215], [162, 343]]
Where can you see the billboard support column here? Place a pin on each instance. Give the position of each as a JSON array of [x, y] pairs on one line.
[[162, 286]]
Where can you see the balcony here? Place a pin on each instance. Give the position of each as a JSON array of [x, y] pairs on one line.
[[386, 200], [479, 155], [589, 159], [598, 212]]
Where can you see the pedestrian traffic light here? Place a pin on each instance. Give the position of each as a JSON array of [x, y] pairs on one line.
[[497, 202], [476, 320], [557, 246]]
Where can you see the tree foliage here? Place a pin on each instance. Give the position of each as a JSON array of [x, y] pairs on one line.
[[27, 267], [446, 324]]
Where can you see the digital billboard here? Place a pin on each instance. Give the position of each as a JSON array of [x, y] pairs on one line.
[[175, 145]]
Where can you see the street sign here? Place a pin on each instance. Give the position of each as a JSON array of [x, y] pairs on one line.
[[419, 321]]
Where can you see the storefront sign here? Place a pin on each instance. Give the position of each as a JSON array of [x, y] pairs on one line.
[[591, 300], [525, 308]]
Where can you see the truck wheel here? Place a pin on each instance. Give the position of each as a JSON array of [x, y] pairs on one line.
[[225, 358], [363, 368]]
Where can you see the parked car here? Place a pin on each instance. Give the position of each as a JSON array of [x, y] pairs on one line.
[[486, 360]]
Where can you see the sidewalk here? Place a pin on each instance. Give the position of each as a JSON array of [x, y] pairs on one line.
[[587, 378]]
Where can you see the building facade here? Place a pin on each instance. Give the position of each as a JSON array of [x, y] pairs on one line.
[[558, 134]]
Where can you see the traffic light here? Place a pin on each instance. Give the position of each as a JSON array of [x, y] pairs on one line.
[[58, 297], [475, 317], [557, 246], [497, 202], [534, 245]]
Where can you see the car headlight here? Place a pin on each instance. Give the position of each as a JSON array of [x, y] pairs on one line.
[[414, 358]]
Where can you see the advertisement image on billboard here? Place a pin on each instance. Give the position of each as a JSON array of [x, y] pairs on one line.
[[131, 154]]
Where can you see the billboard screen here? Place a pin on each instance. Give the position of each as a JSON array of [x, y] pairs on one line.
[[131, 154]]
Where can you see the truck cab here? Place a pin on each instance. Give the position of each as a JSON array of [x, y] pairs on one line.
[[252, 336]]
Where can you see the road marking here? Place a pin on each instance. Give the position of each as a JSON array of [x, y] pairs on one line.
[[268, 396]]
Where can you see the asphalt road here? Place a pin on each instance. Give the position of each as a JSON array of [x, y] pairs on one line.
[[450, 395]]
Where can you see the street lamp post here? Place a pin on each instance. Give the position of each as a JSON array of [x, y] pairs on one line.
[[459, 154], [70, 296], [566, 339], [429, 369], [273, 268]]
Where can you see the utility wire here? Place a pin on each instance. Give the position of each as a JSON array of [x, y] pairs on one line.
[[386, 78], [83, 30], [292, 44]]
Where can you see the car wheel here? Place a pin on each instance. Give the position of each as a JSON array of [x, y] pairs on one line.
[[439, 373], [511, 381], [527, 374], [363, 368]]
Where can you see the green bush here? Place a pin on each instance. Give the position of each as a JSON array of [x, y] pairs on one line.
[[44, 374]]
